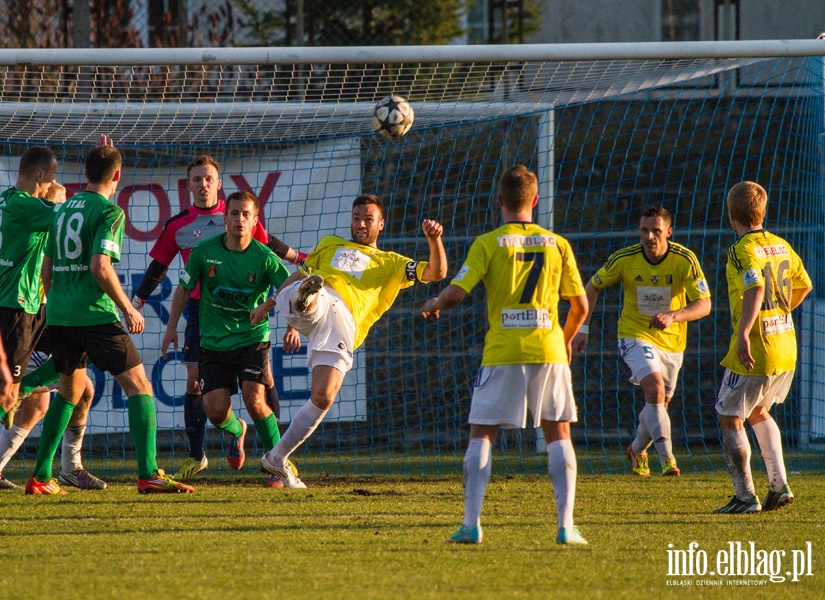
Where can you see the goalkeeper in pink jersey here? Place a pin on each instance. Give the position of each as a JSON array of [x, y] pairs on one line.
[[200, 221]]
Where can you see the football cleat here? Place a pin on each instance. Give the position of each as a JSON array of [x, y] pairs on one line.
[[5, 484], [571, 536], [286, 474], [638, 462], [737, 506], [306, 291], [237, 454], [778, 499], [38, 488], [161, 483], [81, 478], [273, 482], [669, 469], [191, 467], [473, 535]]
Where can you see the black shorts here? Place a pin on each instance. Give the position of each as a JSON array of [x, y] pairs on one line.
[[225, 369], [108, 347], [192, 333], [20, 331]]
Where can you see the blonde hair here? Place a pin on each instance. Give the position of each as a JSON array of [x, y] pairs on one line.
[[747, 202]]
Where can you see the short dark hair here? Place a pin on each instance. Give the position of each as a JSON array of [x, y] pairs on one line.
[[36, 158], [102, 162], [517, 188], [657, 211], [365, 199], [201, 161], [242, 196]]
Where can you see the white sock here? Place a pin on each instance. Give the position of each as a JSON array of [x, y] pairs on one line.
[[658, 425], [738, 456], [305, 421], [562, 468], [477, 468], [770, 443], [70, 449], [642, 440], [10, 442]]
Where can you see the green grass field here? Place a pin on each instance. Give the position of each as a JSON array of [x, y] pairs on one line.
[[381, 537]]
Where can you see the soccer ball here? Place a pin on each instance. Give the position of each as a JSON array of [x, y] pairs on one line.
[[392, 117]]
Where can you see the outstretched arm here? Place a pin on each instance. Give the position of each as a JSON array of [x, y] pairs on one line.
[[155, 273], [436, 269], [449, 297], [581, 338], [106, 277], [693, 311], [575, 318], [179, 299]]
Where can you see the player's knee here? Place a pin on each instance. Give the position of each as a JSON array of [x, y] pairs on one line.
[[322, 401]]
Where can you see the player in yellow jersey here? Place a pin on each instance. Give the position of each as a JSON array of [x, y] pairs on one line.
[[525, 269], [352, 284], [664, 289], [766, 281]]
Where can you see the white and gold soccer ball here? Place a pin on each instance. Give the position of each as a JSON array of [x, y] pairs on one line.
[[392, 116]]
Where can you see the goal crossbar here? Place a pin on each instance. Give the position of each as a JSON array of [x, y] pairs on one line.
[[407, 54]]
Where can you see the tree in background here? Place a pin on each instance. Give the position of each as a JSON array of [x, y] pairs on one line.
[[354, 22]]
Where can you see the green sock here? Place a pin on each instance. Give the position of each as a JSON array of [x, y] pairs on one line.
[[232, 425], [268, 431], [54, 424], [42, 375], [143, 428]]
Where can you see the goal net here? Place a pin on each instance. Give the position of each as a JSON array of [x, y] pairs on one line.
[[610, 129]]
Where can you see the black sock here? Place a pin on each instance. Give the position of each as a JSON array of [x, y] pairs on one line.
[[274, 402], [195, 419]]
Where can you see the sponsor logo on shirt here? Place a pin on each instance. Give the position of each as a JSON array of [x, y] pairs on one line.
[[251, 277], [109, 245], [597, 279], [526, 241], [461, 273], [350, 261], [638, 278], [184, 277], [411, 267], [526, 318], [772, 250], [213, 271], [702, 286], [669, 279], [777, 324], [654, 279], [750, 277]]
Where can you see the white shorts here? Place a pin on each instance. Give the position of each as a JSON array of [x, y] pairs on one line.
[[643, 358], [503, 394], [739, 395], [330, 327]]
